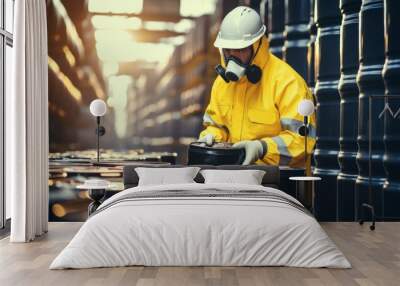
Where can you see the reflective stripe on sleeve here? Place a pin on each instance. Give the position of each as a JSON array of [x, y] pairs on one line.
[[284, 155], [207, 120], [294, 125]]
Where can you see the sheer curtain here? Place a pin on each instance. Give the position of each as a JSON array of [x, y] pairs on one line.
[[27, 123]]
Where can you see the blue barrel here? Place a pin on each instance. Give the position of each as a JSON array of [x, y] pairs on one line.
[[255, 4], [391, 137], [327, 66], [311, 49], [311, 57], [348, 90], [265, 14], [276, 18], [297, 35], [370, 82]]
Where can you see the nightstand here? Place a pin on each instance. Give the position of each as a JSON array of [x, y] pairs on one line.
[[305, 190], [97, 191]]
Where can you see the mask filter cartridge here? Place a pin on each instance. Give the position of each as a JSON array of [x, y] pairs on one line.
[[221, 72], [235, 69]]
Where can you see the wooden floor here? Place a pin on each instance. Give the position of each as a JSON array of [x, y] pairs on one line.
[[375, 257]]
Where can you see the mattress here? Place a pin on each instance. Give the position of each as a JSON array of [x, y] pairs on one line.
[[201, 225]]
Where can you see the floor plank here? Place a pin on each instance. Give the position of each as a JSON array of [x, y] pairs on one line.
[[375, 257]]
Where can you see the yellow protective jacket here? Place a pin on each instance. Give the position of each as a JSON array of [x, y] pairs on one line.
[[264, 111]]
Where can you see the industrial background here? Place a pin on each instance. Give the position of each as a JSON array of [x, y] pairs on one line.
[[348, 51]]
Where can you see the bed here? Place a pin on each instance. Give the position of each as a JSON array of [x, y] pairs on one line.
[[197, 224]]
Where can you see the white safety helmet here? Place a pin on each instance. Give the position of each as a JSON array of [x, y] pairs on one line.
[[239, 29]]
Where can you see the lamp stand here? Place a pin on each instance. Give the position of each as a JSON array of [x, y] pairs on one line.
[[307, 167], [100, 131], [98, 138]]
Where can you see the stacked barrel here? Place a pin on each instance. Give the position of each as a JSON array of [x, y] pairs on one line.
[[391, 135], [327, 17], [297, 35], [371, 174], [368, 135], [348, 90], [311, 49], [276, 18]]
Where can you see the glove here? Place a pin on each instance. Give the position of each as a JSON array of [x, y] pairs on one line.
[[208, 139], [255, 149]]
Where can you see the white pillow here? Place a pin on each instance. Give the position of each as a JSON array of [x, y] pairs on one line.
[[163, 176], [249, 177]]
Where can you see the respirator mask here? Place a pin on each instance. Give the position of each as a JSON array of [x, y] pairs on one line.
[[235, 69]]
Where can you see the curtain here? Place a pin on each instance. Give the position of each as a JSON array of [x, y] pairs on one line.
[[27, 123]]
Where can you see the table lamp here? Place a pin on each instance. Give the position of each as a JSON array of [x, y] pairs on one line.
[[305, 108], [98, 108]]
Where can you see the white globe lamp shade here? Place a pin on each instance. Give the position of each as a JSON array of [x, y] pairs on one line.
[[305, 107], [98, 107]]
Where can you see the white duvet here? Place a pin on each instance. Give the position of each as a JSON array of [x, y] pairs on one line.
[[200, 231]]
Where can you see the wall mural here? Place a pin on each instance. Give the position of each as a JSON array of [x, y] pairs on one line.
[[152, 63]]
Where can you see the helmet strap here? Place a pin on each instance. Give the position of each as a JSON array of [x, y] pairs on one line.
[[255, 54], [254, 72]]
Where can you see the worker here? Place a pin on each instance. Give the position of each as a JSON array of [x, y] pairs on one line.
[[254, 99]]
